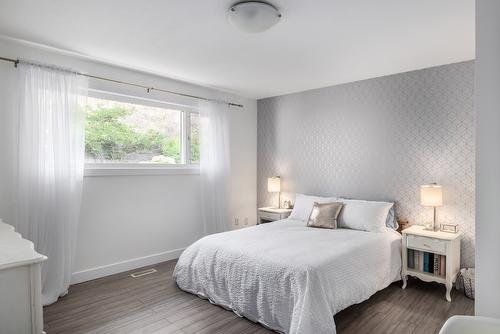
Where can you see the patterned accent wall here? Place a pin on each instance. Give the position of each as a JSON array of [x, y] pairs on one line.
[[377, 139]]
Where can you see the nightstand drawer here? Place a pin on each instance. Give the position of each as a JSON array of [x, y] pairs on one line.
[[424, 243], [269, 215]]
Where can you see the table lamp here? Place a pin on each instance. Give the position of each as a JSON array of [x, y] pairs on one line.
[[431, 195], [274, 186]]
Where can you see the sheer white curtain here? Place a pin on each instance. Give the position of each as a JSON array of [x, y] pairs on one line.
[[215, 166], [50, 167]]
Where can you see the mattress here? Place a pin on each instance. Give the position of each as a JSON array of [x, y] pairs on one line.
[[289, 277]]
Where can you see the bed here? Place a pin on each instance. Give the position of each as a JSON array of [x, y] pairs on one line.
[[289, 277]]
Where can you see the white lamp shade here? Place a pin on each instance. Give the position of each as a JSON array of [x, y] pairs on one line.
[[253, 16], [274, 184], [431, 195]]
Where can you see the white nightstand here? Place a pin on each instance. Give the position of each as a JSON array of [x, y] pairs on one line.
[[441, 244], [270, 214]]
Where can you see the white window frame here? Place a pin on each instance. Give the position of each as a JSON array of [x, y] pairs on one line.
[[130, 168]]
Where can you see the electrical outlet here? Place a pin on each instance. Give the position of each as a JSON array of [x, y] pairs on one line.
[[236, 221], [246, 221]]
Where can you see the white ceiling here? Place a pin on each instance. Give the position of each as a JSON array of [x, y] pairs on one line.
[[317, 43]]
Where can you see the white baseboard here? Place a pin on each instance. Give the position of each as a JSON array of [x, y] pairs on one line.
[[118, 267]]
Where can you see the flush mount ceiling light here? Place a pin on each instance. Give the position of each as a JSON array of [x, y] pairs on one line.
[[253, 16]]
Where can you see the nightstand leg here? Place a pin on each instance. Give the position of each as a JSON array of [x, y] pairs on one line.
[[448, 291], [405, 278]]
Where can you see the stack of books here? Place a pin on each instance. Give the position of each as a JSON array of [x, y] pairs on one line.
[[427, 262]]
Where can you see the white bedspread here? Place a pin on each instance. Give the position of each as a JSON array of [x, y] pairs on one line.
[[290, 277]]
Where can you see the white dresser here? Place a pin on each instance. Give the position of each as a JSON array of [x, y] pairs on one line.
[[20, 284]]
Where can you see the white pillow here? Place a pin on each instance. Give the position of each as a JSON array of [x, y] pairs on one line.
[[391, 221], [304, 204], [364, 215]]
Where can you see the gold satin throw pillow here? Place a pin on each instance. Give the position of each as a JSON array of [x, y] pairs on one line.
[[324, 215]]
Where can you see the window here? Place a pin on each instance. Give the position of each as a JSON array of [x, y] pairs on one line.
[[129, 133]]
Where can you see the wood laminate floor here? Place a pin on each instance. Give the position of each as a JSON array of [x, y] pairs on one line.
[[154, 304]]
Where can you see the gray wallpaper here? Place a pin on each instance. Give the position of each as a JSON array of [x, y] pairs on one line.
[[377, 139]]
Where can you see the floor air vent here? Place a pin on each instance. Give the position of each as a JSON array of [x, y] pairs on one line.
[[143, 273]]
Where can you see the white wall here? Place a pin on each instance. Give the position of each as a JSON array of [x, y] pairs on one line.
[[487, 103], [129, 221]]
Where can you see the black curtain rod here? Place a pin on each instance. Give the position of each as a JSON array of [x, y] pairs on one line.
[[148, 89]]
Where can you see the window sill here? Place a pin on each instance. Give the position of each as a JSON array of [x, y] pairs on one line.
[[112, 169]]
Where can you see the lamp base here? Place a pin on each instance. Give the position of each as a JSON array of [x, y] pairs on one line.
[[429, 226], [432, 226]]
